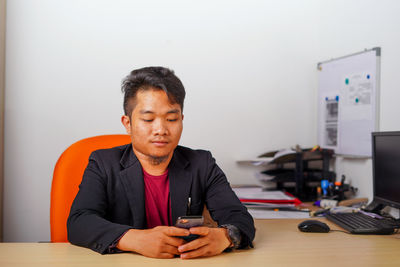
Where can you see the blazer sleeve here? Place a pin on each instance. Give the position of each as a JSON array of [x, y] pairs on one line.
[[224, 205], [87, 225]]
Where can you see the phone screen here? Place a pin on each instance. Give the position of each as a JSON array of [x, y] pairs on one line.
[[189, 221]]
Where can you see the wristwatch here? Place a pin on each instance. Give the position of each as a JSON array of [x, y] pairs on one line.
[[233, 234]]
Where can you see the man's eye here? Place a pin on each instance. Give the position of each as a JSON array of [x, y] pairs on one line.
[[172, 119], [147, 120]]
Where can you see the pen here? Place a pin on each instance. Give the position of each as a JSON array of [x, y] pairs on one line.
[[319, 212], [188, 207], [291, 209]]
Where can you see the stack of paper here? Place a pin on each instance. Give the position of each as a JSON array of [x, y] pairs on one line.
[[258, 195], [281, 156], [281, 214], [269, 204]]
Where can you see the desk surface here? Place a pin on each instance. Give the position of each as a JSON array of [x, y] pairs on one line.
[[277, 243]]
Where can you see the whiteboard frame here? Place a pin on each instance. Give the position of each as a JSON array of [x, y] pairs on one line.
[[375, 104]]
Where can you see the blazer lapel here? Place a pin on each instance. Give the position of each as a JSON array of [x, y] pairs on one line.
[[132, 179], [180, 181]]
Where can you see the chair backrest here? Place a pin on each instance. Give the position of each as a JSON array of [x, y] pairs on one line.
[[67, 176]]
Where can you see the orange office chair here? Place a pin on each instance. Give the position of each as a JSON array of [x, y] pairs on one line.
[[67, 176]]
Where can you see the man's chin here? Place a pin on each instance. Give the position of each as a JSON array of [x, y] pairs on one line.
[[157, 160], [159, 153]]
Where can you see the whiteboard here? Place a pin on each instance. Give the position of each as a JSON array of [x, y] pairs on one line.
[[348, 102]]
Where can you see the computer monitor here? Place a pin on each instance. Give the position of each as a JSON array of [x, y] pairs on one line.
[[386, 170]]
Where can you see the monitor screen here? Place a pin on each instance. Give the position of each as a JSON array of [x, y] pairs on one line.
[[386, 168]]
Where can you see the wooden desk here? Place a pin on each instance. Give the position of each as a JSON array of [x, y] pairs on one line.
[[277, 243]]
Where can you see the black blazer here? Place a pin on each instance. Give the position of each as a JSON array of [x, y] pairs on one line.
[[111, 196]]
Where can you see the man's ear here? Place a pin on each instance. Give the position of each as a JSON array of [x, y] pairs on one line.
[[126, 121], [182, 116]]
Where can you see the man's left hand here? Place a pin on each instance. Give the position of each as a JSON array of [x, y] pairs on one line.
[[211, 241]]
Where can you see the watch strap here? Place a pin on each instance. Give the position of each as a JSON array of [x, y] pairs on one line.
[[233, 234]]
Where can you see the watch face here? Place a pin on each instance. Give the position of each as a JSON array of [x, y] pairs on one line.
[[234, 235]]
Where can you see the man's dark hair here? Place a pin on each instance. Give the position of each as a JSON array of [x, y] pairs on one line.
[[149, 78]]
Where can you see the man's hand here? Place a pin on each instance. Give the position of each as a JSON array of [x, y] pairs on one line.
[[212, 241], [158, 242]]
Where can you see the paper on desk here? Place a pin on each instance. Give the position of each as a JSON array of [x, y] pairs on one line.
[[257, 161], [262, 177], [267, 160], [258, 193], [271, 214], [268, 205]]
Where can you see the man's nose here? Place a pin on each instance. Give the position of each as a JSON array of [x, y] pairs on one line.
[[160, 127]]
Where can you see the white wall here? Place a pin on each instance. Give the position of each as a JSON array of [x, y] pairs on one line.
[[249, 69]]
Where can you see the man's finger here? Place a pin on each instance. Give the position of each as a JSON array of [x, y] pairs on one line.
[[175, 231], [195, 244], [165, 255], [170, 249], [202, 230], [174, 241], [201, 252]]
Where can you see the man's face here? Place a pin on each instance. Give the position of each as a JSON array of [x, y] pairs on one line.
[[155, 125]]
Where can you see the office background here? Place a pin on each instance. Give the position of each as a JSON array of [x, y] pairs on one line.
[[249, 68]]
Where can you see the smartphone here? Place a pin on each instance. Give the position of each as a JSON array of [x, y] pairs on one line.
[[189, 222]]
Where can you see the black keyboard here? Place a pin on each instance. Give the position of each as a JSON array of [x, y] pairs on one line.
[[358, 223]]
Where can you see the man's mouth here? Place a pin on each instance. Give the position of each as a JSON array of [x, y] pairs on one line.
[[160, 142]]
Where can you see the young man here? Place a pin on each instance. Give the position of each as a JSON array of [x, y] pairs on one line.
[[131, 196]]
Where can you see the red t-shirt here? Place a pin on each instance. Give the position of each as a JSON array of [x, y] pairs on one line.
[[157, 200]]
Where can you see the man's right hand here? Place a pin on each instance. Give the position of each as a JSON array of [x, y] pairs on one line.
[[158, 242]]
